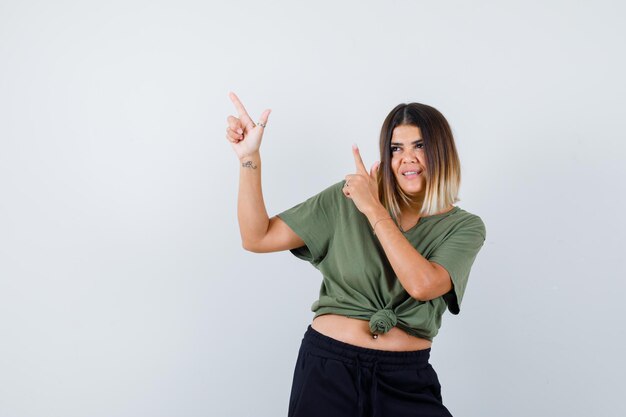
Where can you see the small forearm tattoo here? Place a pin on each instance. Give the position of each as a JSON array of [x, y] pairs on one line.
[[248, 164]]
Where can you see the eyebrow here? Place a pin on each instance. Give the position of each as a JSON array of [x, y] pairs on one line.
[[412, 143]]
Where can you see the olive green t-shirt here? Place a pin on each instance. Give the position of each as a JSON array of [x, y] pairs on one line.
[[358, 280]]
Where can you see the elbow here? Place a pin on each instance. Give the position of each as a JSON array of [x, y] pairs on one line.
[[430, 291], [257, 246], [414, 285], [419, 294], [248, 246], [423, 296]]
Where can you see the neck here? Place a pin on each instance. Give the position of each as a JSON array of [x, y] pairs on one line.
[[409, 216], [415, 206]]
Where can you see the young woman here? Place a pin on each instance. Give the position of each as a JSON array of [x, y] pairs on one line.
[[394, 253]]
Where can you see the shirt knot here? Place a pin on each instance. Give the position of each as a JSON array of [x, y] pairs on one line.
[[382, 321]]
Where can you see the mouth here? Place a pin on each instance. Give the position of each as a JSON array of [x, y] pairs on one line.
[[411, 174]]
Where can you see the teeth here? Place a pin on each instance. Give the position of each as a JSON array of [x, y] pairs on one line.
[[410, 173]]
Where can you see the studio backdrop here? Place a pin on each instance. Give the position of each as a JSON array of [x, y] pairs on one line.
[[124, 287]]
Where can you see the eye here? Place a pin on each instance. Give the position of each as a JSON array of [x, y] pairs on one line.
[[393, 148]]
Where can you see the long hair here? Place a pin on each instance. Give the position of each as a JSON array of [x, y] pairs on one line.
[[443, 167]]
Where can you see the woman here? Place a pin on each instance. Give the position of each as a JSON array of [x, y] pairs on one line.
[[394, 253]]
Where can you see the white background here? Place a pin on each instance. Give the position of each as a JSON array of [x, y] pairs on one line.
[[124, 289]]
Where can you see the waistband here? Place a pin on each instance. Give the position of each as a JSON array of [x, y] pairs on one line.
[[370, 361], [350, 353]]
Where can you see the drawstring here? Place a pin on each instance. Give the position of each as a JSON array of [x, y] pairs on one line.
[[358, 386], [374, 389]]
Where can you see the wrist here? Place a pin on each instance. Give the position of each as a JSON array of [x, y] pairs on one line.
[[376, 213], [378, 221], [255, 156]]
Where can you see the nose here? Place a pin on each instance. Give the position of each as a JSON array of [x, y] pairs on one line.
[[409, 156]]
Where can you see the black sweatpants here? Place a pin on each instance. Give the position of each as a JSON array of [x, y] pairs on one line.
[[336, 379]]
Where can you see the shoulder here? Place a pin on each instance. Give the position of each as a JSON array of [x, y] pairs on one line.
[[333, 191], [337, 186], [469, 221], [327, 199]]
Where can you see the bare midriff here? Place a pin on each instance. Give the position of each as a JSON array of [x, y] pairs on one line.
[[357, 332]]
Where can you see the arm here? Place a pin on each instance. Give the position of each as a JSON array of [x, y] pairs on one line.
[[422, 279], [258, 232]]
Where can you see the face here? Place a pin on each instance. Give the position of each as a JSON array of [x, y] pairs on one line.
[[408, 159]]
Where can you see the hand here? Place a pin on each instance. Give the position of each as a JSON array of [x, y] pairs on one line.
[[242, 133], [362, 187]]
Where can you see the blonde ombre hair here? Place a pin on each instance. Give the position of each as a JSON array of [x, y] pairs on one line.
[[443, 167]]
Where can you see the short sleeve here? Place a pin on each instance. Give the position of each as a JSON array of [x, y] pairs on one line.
[[314, 222], [457, 254]]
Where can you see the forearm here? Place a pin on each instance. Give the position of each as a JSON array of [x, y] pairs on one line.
[[415, 273], [251, 211]]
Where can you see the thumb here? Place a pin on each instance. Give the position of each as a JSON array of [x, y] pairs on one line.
[[374, 170]]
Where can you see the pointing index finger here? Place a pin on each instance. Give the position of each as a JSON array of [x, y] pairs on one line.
[[360, 166], [243, 114]]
